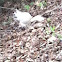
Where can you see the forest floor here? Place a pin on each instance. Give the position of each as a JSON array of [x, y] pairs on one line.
[[41, 42]]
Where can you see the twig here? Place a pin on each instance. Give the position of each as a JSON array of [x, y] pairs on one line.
[[7, 8], [48, 11], [50, 6]]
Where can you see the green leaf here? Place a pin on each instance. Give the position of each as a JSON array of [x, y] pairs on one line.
[[27, 7], [31, 3], [41, 4], [59, 36], [48, 19], [52, 28], [44, 3]]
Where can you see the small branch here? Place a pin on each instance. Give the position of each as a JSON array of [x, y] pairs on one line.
[[48, 11], [7, 8], [50, 6]]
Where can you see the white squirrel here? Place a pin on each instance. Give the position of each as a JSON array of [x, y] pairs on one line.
[[22, 17], [25, 17]]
